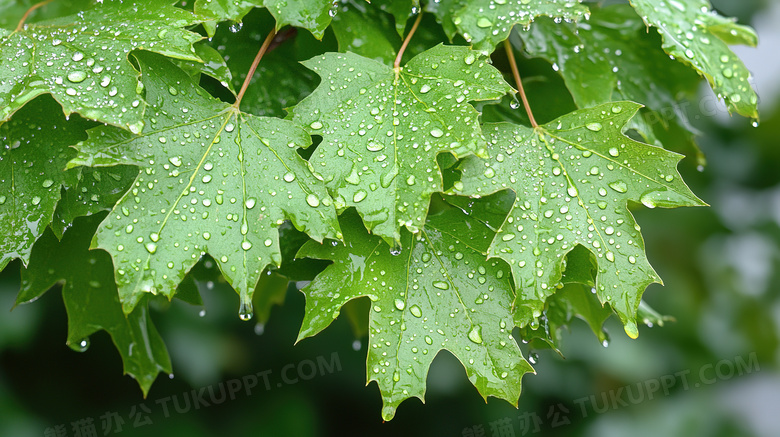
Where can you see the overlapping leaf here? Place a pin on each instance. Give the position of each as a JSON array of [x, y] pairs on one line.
[[314, 15], [573, 179], [574, 298], [692, 32], [613, 58], [82, 59], [98, 189], [92, 302], [213, 180], [382, 128], [485, 23], [213, 64], [33, 155], [437, 293]]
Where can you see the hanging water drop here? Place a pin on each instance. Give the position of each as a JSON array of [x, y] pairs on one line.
[[245, 310]]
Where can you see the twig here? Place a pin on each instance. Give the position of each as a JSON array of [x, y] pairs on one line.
[[397, 63], [29, 11], [255, 63], [511, 55]]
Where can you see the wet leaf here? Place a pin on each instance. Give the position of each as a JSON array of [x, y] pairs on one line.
[[92, 302], [82, 60], [32, 162], [98, 189], [382, 129], [695, 34], [485, 23], [436, 293], [213, 180], [611, 57], [314, 15], [573, 179]]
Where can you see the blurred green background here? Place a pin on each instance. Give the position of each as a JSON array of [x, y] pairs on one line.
[[713, 372]]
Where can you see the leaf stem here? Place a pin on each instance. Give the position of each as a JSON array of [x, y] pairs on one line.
[[29, 11], [263, 48], [511, 55], [397, 63]]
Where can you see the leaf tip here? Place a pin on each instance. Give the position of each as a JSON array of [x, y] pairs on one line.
[[631, 330]]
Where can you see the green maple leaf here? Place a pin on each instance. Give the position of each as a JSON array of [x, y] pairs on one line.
[[314, 15], [573, 178], [33, 155], [378, 123], [212, 179], [695, 34], [612, 58], [437, 293], [82, 59], [92, 302], [485, 23]]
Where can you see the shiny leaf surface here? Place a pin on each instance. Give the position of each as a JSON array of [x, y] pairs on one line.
[[213, 180]]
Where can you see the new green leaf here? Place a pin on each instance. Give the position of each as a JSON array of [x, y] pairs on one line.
[[213, 180], [438, 292], [382, 129], [82, 60], [573, 179], [92, 302], [485, 23], [697, 35]]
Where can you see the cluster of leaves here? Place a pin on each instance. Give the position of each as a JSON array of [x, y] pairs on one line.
[[128, 158]]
